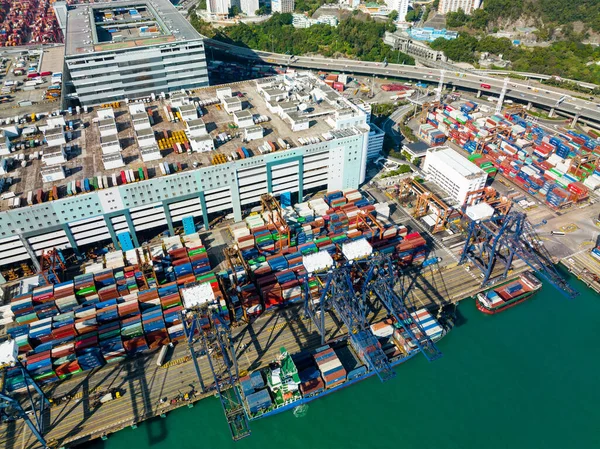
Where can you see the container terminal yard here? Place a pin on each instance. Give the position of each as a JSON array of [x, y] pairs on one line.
[[215, 241]]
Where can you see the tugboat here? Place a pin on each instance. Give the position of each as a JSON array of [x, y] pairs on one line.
[[507, 295]]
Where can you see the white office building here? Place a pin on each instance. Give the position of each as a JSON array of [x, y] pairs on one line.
[[282, 6], [453, 172], [467, 6], [131, 49], [398, 5]]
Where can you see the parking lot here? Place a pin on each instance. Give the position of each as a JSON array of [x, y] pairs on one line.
[[22, 95]]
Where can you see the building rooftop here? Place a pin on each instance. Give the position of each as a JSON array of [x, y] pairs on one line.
[[84, 160], [119, 25], [456, 161], [417, 149]]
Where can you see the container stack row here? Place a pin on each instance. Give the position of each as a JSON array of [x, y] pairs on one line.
[[521, 151], [107, 315], [330, 367]]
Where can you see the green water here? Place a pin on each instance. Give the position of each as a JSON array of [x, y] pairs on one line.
[[527, 378]]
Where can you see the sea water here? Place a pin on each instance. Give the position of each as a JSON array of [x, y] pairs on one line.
[[527, 378]]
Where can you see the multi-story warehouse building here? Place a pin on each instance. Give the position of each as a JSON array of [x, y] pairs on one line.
[[467, 6], [293, 134], [453, 172], [131, 49]]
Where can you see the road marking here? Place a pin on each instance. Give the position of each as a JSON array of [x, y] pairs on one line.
[[176, 362]]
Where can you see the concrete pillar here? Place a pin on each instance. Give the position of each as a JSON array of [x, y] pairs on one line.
[[551, 114], [111, 231], [31, 252], [237, 202], [134, 238], [72, 241], [529, 105], [478, 94], [168, 217], [204, 213], [574, 122]]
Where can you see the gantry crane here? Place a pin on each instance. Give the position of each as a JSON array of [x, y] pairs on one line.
[[490, 196], [270, 204], [30, 408], [366, 221], [217, 344], [379, 277], [502, 237], [338, 294], [427, 108], [234, 259], [427, 202], [52, 261]]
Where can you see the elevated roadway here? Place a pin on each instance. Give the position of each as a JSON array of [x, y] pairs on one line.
[[544, 96]]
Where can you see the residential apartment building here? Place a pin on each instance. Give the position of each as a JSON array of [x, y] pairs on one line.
[[282, 6], [468, 6]]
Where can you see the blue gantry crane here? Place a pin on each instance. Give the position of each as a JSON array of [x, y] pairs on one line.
[[30, 407], [207, 327], [496, 241], [379, 278], [338, 293]]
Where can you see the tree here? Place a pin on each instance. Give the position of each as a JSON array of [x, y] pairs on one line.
[[263, 10], [202, 4], [479, 19], [412, 16], [456, 19], [393, 16], [234, 11]]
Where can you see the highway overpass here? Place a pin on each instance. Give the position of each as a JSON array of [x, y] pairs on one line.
[[545, 96]]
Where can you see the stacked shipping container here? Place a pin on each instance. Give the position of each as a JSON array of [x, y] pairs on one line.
[[105, 316]]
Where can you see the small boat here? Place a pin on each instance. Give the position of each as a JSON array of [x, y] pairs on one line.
[[510, 294]]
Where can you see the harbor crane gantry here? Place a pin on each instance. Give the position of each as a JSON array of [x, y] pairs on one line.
[[51, 262], [34, 399], [501, 238], [203, 325], [338, 294], [426, 203], [490, 196], [270, 205], [379, 279]]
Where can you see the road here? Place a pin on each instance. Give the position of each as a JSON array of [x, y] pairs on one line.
[[538, 95]]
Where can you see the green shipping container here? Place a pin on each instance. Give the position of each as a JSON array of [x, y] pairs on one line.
[[86, 291]]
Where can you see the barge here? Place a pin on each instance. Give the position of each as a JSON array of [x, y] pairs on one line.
[[507, 295]]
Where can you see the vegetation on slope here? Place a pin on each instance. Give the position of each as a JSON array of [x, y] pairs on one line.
[[566, 59], [352, 38], [545, 13]]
